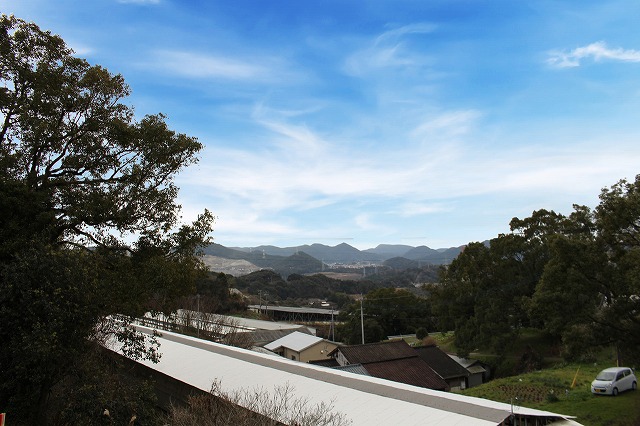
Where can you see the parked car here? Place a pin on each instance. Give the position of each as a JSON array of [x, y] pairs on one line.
[[613, 380]]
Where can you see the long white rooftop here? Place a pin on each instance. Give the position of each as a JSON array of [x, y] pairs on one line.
[[362, 399]]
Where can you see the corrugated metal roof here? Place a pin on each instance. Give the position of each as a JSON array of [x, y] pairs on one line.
[[476, 369], [261, 324], [295, 341], [440, 362], [376, 352], [295, 309], [328, 362], [412, 371], [364, 400], [465, 362], [353, 368]]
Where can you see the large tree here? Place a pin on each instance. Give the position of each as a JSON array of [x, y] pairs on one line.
[[589, 295], [485, 292], [90, 227]]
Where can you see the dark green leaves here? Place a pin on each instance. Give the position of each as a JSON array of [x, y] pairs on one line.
[[80, 181]]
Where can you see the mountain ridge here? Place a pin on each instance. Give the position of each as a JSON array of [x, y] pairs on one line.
[[343, 253], [315, 258]]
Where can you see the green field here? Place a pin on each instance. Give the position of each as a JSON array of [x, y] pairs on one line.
[[559, 387], [551, 390]]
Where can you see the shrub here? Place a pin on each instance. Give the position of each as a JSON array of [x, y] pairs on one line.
[[421, 333]]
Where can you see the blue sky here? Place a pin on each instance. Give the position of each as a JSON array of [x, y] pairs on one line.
[[400, 122]]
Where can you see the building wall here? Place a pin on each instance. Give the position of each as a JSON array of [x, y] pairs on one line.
[[313, 353], [291, 354], [475, 380], [318, 351], [341, 359], [457, 383]]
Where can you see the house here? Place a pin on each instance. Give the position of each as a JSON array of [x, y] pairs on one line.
[[259, 338], [478, 371], [301, 347], [453, 373], [395, 360], [361, 399]]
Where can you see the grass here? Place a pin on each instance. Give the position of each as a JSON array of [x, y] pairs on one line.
[[559, 387], [551, 390]]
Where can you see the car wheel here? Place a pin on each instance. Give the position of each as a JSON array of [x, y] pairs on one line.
[[634, 386], [614, 392]]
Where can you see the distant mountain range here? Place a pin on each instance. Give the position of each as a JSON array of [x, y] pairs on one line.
[[310, 258], [344, 253]]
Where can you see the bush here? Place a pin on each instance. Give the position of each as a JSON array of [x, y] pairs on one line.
[[421, 333], [254, 406], [552, 397]]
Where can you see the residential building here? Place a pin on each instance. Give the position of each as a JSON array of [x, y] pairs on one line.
[[302, 347], [453, 373], [395, 360]]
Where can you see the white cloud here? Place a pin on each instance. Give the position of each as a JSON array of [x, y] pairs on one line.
[[396, 33], [195, 65], [410, 209], [597, 51], [271, 193], [447, 124], [388, 50]]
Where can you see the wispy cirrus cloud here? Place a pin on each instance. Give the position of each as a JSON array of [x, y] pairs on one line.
[[389, 50], [196, 65], [394, 34], [447, 125], [597, 51]]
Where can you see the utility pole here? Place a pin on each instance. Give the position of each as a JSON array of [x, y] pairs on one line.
[[361, 318], [333, 330]]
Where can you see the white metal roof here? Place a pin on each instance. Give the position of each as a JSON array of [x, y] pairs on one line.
[[243, 324], [264, 325], [295, 341], [364, 400]]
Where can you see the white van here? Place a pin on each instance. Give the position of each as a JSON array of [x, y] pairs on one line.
[[610, 381]]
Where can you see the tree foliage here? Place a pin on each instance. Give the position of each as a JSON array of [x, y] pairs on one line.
[[297, 288], [89, 220], [589, 294], [576, 277], [387, 312]]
